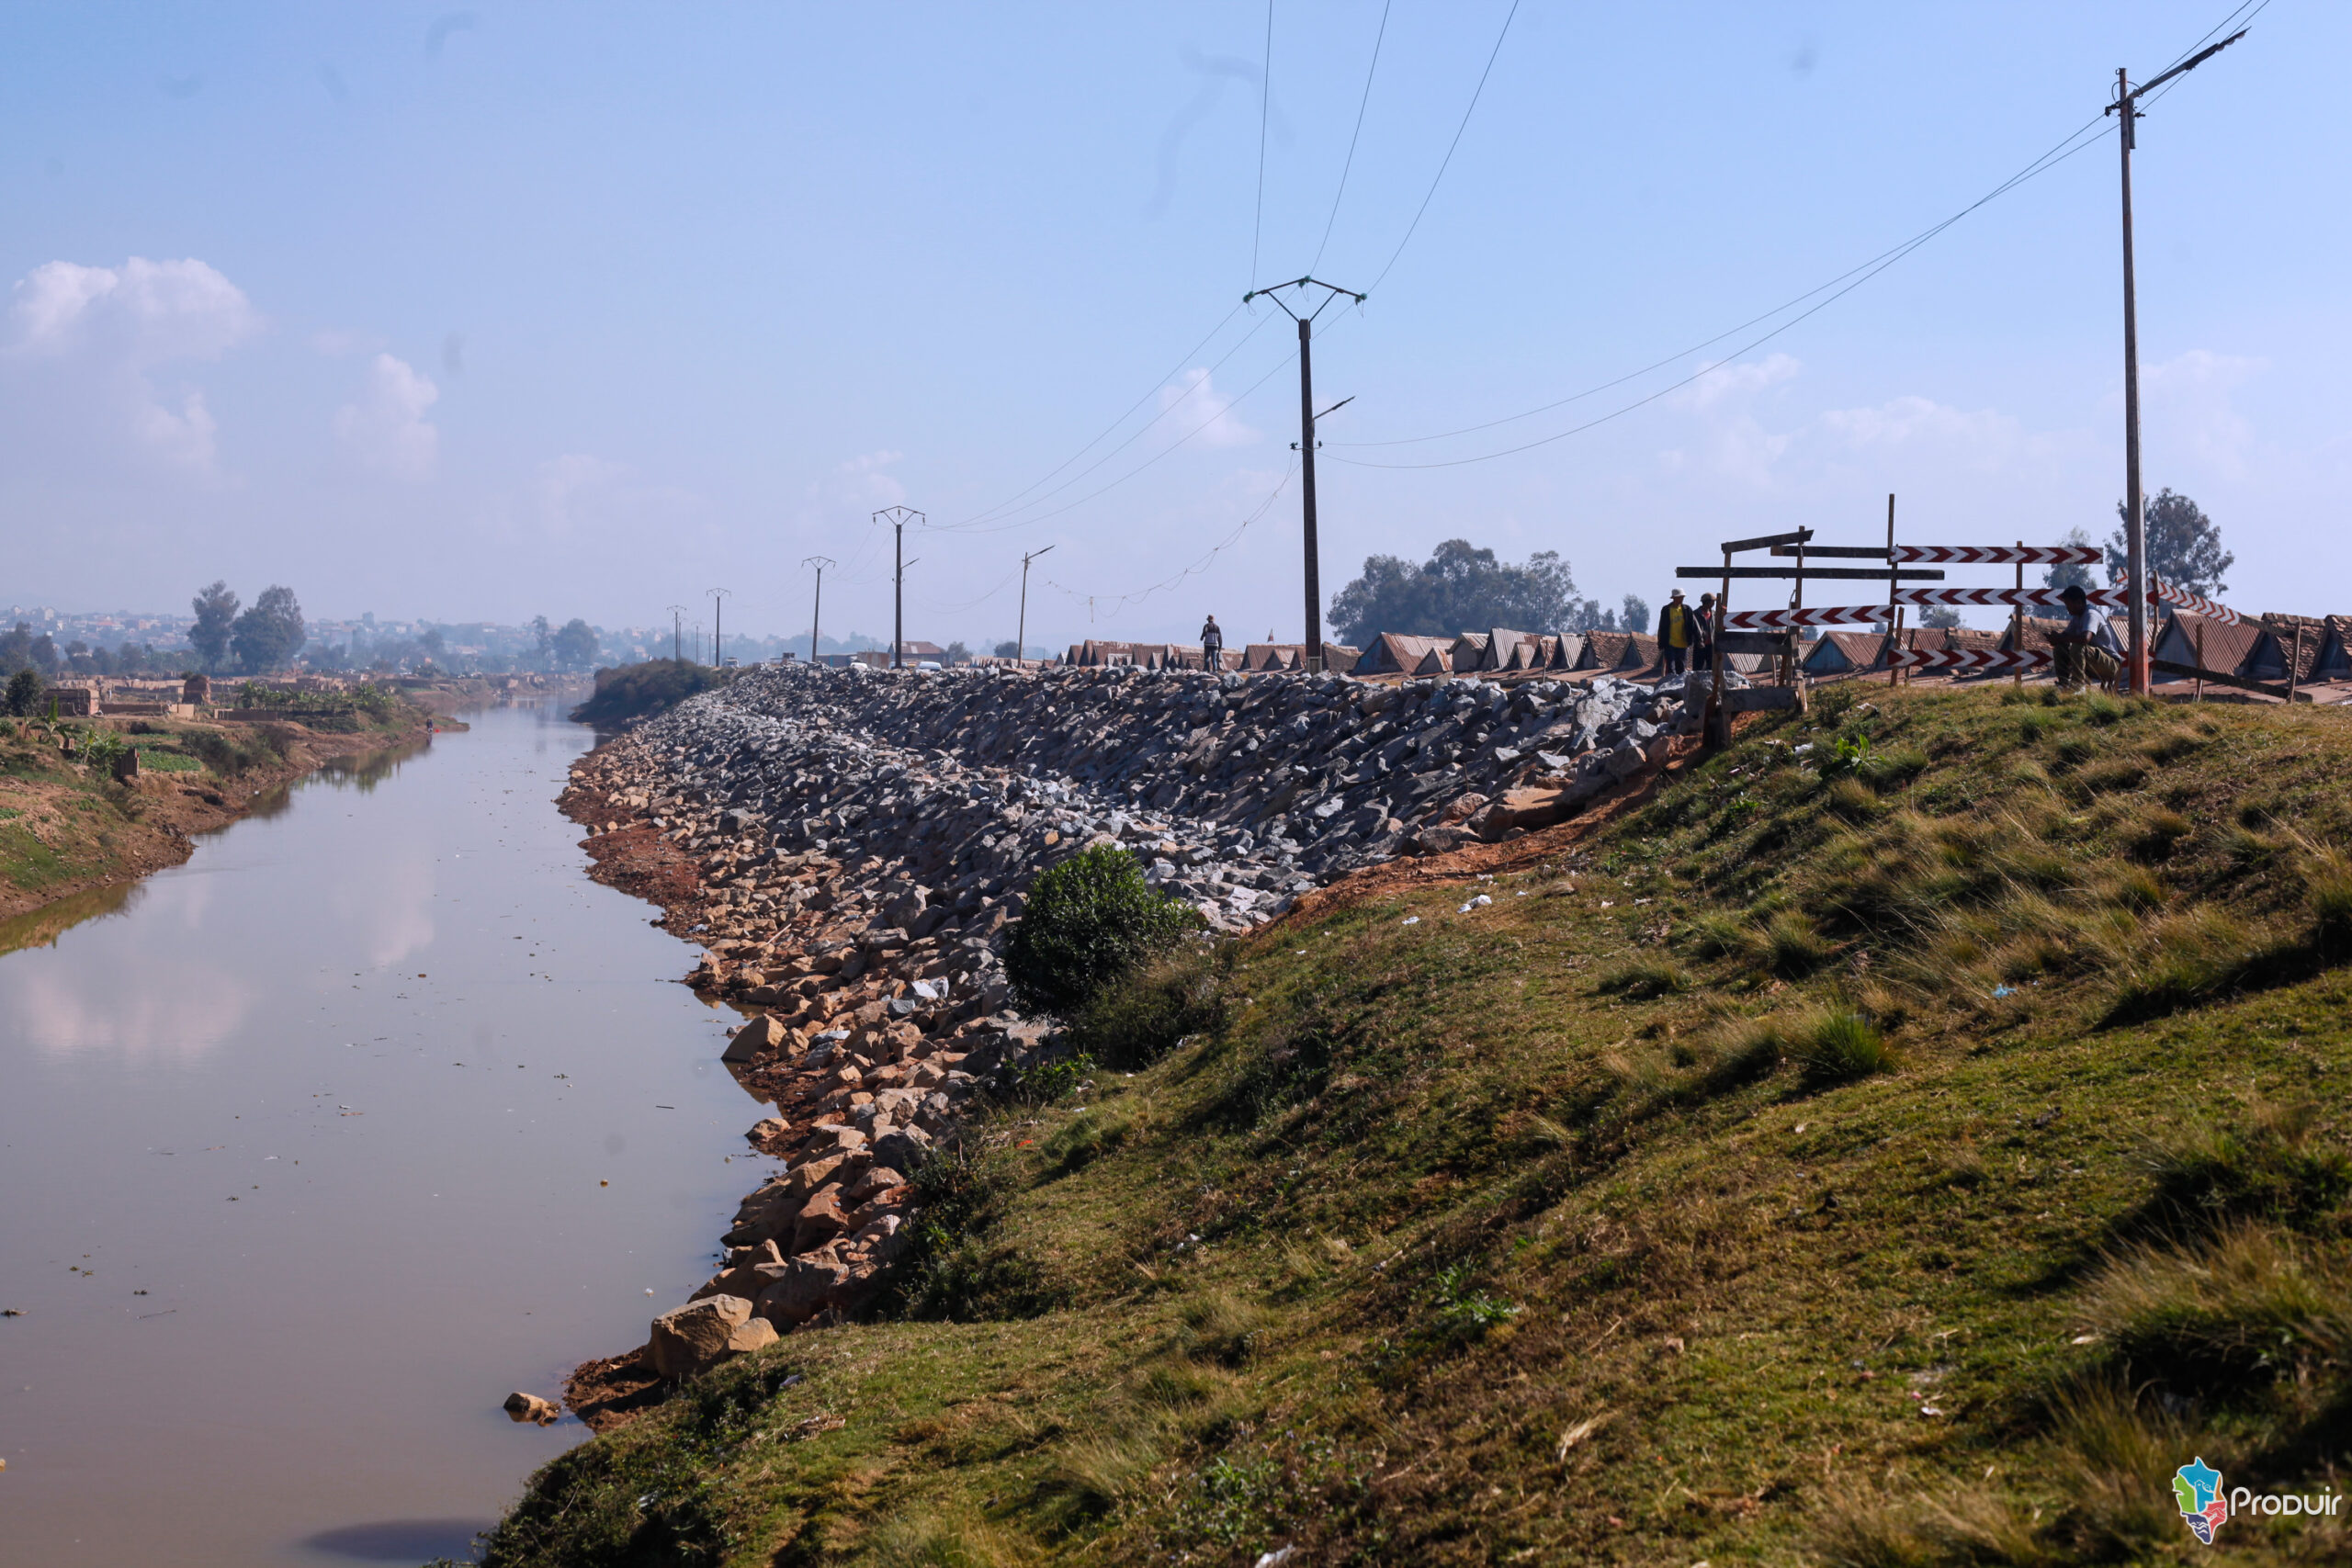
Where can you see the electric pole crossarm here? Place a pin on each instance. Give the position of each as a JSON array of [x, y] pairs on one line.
[[2191, 64]]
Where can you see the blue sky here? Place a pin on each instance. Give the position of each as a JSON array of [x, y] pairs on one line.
[[501, 310]]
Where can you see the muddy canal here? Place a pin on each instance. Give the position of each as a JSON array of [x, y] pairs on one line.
[[304, 1149]]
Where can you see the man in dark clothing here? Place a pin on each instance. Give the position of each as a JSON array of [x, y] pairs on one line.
[[2087, 651], [1702, 656], [1678, 632], [1212, 646]]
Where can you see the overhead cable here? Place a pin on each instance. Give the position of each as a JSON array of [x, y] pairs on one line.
[[1448, 159], [1353, 137]]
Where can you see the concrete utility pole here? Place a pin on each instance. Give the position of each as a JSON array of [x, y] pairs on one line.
[[2135, 542], [1306, 447], [1020, 630], [677, 634], [898, 516], [718, 643], [820, 563]]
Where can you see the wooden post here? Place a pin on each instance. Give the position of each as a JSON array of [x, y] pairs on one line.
[[2294, 663], [1796, 602], [1718, 724], [2200, 659], [2016, 619], [1893, 610]]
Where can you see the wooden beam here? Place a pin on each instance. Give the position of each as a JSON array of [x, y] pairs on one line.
[[1800, 537], [1908, 574], [2283, 694], [1843, 552]]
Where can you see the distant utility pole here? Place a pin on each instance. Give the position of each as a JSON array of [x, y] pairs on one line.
[[897, 516], [1305, 447], [820, 563], [1020, 631], [717, 644], [677, 634], [2136, 578]]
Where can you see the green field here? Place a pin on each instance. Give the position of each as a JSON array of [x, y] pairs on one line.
[[1908, 1150]]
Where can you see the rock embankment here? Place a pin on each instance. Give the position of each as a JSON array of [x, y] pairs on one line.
[[852, 849]]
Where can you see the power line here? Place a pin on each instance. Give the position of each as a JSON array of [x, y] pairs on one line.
[[1190, 354], [1068, 506], [1860, 275], [1444, 162], [998, 516], [1265, 102], [1360, 103], [1120, 602]]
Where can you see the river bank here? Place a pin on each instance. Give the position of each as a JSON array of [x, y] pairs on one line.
[[852, 850], [69, 830], [389, 1015]]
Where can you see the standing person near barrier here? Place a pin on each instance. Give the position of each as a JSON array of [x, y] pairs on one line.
[[2085, 647], [1702, 652], [1212, 646], [1678, 630]]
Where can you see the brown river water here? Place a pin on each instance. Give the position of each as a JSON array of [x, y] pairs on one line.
[[303, 1148]]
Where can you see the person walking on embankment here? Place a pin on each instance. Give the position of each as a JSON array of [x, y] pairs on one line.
[[2085, 645], [1678, 629], [1212, 646]]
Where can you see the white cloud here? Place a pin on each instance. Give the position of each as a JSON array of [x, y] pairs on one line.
[[1725, 380], [93, 336], [563, 484], [386, 431], [1189, 402], [2189, 405], [1984, 437], [865, 481]]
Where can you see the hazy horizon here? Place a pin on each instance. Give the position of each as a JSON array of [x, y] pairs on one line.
[[478, 314]]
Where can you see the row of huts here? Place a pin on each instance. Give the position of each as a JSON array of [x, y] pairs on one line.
[[2318, 648]]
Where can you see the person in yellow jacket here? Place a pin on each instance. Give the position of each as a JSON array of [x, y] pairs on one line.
[[1678, 633]]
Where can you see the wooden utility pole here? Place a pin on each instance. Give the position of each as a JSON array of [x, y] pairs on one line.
[[1021, 630], [817, 612], [2126, 111], [1313, 653]]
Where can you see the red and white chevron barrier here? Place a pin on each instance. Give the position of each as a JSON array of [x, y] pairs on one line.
[[2008, 598], [2195, 603], [1969, 661], [1788, 620], [2002, 555]]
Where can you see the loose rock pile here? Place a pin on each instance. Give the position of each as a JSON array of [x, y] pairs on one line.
[[862, 841]]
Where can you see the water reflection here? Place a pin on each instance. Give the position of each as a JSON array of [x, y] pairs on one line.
[[179, 1007], [402, 1540], [41, 926]]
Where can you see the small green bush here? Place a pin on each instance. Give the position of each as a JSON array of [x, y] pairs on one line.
[[634, 690], [1840, 1047], [1089, 921], [1148, 1010]]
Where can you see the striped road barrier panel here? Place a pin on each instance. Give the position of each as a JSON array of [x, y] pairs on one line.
[[1788, 620], [1969, 661], [2002, 555]]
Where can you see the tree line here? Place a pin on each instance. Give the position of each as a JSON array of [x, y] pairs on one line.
[[1464, 587]]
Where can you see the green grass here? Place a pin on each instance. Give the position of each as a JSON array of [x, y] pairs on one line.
[[1977, 1168]]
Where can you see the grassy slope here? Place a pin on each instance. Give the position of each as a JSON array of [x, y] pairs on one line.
[[1562, 1232]]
